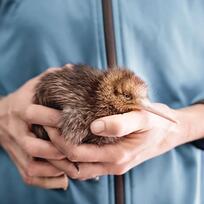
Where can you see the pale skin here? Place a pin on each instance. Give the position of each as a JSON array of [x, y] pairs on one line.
[[144, 136], [16, 114]]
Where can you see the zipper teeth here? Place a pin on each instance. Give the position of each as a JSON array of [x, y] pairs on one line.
[[112, 62], [109, 34], [119, 191]]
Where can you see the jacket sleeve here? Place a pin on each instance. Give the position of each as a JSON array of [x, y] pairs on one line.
[[199, 143]]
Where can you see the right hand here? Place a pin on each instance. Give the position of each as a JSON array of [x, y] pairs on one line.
[[17, 113]]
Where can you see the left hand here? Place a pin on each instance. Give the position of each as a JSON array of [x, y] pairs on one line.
[[143, 136]]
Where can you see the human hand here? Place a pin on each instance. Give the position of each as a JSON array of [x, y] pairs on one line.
[[143, 136], [17, 113]]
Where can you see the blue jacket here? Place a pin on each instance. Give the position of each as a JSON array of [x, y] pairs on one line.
[[162, 41]]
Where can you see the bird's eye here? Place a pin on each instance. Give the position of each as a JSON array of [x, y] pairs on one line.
[[127, 96]]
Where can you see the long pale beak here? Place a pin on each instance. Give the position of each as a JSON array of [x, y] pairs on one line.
[[147, 106]]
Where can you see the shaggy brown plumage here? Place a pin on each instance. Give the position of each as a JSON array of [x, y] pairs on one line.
[[85, 94]]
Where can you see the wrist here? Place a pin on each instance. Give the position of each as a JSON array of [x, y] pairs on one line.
[[192, 122], [3, 107]]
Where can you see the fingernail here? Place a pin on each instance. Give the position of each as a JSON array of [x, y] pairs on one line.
[[66, 182], [98, 126]]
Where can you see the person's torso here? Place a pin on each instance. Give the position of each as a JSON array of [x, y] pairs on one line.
[[161, 41]]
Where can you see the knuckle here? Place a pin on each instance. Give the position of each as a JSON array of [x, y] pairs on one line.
[[122, 157], [72, 172], [72, 156], [109, 169], [27, 147], [70, 66], [83, 178], [52, 69], [34, 152], [117, 129], [28, 180], [30, 168], [120, 170], [73, 175], [29, 113]]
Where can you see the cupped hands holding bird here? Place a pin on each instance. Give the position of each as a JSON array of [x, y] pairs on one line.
[[143, 136]]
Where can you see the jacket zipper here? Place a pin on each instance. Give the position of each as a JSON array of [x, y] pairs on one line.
[[109, 33], [112, 62]]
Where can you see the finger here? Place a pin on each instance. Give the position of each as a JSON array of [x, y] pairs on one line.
[[31, 167], [86, 170], [49, 70], [83, 152], [42, 115], [18, 164], [36, 168], [36, 147], [66, 166], [69, 66], [32, 82], [121, 124], [93, 170], [43, 169], [48, 183], [90, 171], [74, 152], [33, 146]]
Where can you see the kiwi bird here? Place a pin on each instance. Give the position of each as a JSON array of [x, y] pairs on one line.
[[84, 94]]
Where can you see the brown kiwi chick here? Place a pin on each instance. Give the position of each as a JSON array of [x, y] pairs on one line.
[[85, 94]]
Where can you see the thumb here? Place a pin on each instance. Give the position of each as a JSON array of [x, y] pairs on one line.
[[119, 125]]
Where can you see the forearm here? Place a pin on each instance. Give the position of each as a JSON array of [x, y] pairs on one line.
[[193, 117], [3, 116], [3, 109]]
